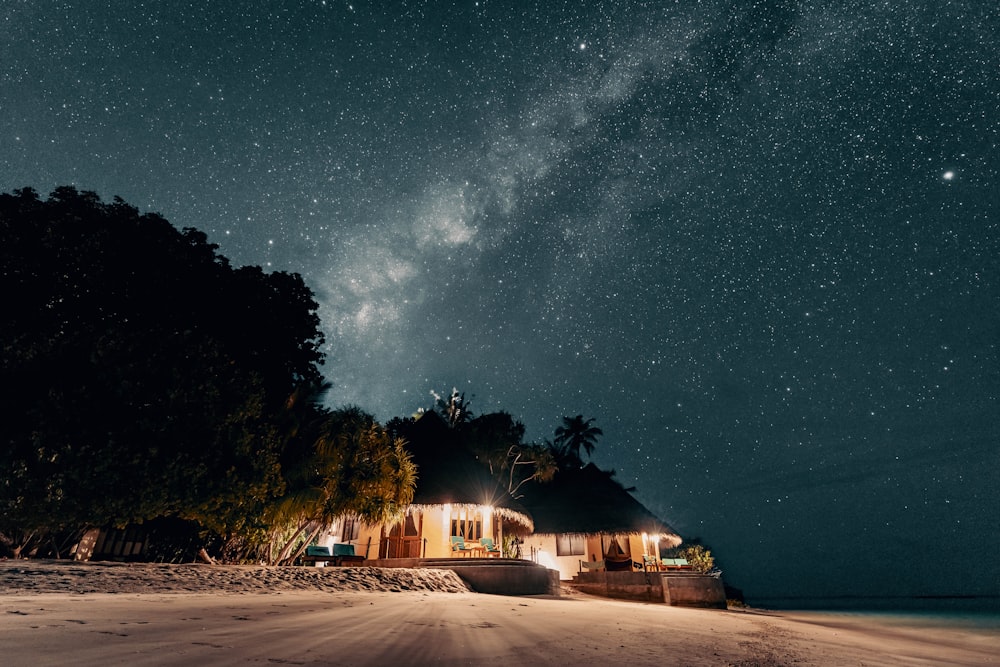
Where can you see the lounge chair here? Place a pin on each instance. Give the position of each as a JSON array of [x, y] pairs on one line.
[[676, 564], [316, 554], [491, 549], [343, 554]]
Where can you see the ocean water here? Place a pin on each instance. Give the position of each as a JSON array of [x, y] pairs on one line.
[[980, 614], [931, 603]]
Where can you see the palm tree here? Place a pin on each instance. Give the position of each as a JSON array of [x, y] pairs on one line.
[[454, 409], [350, 466], [576, 433]]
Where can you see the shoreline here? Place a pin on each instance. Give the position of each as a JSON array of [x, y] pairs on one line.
[[152, 614]]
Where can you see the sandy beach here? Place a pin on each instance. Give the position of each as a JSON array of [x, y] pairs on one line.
[[150, 614]]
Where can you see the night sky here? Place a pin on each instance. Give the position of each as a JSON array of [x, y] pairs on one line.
[[758, 242]]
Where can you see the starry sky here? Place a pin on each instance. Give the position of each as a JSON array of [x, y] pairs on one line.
[[757, 241]]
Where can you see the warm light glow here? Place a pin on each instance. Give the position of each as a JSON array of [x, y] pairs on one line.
[[487, 512], [446, 525], [546, 559]]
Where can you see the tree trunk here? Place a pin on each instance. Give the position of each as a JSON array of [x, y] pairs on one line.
[[305, 543], [290, 543]]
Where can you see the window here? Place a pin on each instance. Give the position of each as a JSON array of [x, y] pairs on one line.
[[350, 530], [570, 545], [467, 524]]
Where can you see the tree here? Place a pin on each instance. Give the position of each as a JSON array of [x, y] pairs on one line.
[[149, 377], [497, 440], [349, 465], [575, 434], [454, 409]]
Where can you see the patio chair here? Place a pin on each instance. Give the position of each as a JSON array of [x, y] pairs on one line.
[[458, 545], [651, 563], [491, 549]]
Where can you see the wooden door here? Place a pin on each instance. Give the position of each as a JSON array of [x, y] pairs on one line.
[[404, 539]]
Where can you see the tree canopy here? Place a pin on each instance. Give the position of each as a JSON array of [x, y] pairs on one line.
[[576, 433], [495, 439], [146, 377]]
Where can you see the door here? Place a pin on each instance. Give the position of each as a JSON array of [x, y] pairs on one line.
[[404, 539]]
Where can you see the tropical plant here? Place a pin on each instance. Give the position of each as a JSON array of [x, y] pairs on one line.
[[352, 467], [576, 433], [454, 409], [698, 556]]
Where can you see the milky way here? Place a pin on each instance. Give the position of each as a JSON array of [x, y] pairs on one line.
[[757, 242]]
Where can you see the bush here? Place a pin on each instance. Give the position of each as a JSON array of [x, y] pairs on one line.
[[697, 556]]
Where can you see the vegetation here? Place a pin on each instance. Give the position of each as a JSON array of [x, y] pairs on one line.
[[350, 466], [148, 378], [576, 433], [698, 557], [495, 438]]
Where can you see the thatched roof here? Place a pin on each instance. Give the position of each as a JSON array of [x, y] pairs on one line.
[[448, 473], [588, 501]]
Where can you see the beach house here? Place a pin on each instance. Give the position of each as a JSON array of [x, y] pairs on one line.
[[455, 497], [581, 515], [585, 515]]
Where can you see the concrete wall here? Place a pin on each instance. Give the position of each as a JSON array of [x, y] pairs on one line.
[[680, 589], [488, 575], [508, 580], [694, 591]]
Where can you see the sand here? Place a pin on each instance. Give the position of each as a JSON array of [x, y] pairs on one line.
[[106, 614]]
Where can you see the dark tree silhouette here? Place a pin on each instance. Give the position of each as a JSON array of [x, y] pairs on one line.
[[143, 375], [576, 433], [454, 409]]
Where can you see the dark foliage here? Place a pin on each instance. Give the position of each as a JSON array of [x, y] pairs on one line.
[[143, 375]]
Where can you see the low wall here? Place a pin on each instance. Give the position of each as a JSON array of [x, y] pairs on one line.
[[676, 589], [488, 575], [508, 580], [694, 591]]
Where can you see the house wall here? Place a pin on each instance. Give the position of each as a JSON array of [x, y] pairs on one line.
[[366, 543], [437, 532], [368, 538], [542, 549]]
